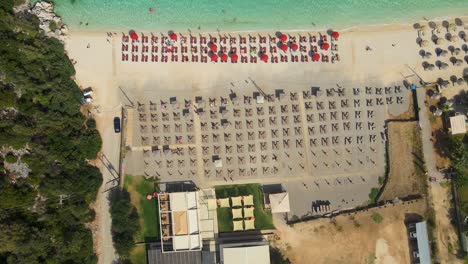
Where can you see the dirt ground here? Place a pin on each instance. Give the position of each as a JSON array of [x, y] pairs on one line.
[[409, 113], [350, 239], [447, 240], [404, 178]]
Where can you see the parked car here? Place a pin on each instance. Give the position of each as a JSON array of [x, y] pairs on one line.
[[117, 124]]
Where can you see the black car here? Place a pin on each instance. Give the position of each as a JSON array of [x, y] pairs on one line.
[[117, 124]]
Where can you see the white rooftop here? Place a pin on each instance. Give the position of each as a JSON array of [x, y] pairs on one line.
[[246, 255], [279, 202], [458, 124]]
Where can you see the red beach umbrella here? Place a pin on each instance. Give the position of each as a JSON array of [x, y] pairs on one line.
[[264, 57], [335, 35], [284, 47], [214, 57], [224, 57], [283, 37], [173, 36], [169, 50], [294, 46], [234, 57], [213, 47], [325, 46], [315, 57], [133, 35]]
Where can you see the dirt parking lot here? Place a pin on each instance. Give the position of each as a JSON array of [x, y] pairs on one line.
[[355, 238], [406, 176]]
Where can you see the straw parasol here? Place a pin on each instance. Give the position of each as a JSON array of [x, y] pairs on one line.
[[423, 30], [440, 41], [452, 27], [424, 43], [438, 28], [454, 38]]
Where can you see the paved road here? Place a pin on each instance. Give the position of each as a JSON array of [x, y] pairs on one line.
[[428, 149]]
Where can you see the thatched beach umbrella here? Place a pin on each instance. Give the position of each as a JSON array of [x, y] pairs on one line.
[[454, 39], [438, 28], [424, 43], [423, 30], [452, 27], [440, 41]]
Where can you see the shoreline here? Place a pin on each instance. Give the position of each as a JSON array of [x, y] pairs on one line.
[[355, 28]]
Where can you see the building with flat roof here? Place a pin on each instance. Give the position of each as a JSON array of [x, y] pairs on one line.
[[245, 253], [420, 243]]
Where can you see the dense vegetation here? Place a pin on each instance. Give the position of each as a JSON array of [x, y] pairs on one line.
[[43, 215], [458, 145], [124, 223]]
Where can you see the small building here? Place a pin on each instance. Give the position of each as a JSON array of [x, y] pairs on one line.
[[245, 253], [458, 124], [179, 221], [419, 241]]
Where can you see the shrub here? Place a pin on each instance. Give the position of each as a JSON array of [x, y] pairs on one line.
[[377, 218], [10, 158]]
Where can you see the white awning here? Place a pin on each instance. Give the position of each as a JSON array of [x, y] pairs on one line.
[[279, 202], [192, 221], [246, 255], [178, 202]]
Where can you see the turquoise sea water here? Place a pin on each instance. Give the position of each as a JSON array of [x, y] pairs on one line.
[[244, 15]]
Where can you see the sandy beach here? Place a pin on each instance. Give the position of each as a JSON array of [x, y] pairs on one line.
[[370, 56]]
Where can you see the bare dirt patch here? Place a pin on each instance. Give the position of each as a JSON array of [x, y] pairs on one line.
[[406, 175], [352, 238]]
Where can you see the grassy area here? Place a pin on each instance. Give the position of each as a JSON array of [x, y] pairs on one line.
[[263, 220], [138, 255], [139, 187]]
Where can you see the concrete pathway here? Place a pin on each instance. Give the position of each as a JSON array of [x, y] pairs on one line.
[[428, 148]]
